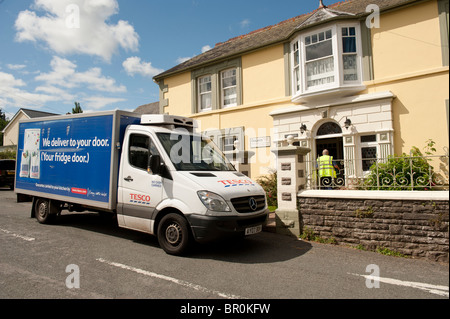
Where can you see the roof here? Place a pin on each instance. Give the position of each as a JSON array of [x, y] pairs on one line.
[[34, 114], [282, 32], [151, 108], [31, 114]]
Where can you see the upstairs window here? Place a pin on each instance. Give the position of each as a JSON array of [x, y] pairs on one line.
[[326, 59], [229, 93], [349, 54], [204, 93], [217, 86], [319, 59]]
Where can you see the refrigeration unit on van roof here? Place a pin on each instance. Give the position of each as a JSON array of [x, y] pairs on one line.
[[170, 120]]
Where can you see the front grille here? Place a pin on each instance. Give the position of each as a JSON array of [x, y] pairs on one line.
[[242, 204]]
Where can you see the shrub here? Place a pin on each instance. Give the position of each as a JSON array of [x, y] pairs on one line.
[[269, 184], [8, 154], [407, 172]]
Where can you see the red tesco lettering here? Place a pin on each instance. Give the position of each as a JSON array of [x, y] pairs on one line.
[[139, 197]]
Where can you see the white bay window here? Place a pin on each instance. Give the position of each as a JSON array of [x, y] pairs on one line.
[[326, 60]]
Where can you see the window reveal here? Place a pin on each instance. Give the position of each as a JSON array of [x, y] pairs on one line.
[[205, 93], [319, 59], [349, 54], [368, 151], [229, 93]]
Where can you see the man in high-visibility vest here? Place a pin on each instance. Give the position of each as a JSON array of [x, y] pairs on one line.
[[325, 167]]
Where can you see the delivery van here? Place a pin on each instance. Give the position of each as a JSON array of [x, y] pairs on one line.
[[154, 172]]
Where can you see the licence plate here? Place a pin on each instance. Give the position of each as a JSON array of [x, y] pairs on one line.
[[10, 172], [253, 230]]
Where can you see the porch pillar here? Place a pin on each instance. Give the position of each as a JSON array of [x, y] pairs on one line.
[[291, 175]]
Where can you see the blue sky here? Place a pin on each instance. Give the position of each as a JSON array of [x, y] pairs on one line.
[[104, 53]]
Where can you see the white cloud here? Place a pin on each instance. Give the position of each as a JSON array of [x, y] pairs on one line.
[[64, 74], [206, 48], [16, 66], [62, 70], [244, 23], [52, 90], [98, 102], [183, 59], [9, 81], [134, 65], [180, 60], [77, 27], [13, 94]]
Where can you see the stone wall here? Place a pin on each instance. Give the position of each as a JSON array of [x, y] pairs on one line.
[[417, 228]]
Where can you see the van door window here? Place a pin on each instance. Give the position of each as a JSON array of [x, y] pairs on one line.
[[141, 147]]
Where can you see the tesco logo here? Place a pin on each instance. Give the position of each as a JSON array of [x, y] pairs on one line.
[[140, 198], [236, 182]]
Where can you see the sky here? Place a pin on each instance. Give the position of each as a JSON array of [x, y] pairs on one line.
[[105, 53]]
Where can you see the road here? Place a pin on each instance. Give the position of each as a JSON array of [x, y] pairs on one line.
[[86, 256]]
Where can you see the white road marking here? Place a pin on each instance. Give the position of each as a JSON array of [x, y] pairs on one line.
[[434, 289], [170, 279], [17, 236]]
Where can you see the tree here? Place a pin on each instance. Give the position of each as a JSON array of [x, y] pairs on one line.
[[77, 108], [3, 123]]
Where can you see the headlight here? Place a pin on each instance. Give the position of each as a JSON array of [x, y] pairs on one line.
[[213, 201]]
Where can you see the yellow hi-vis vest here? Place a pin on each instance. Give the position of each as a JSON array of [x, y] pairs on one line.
[[325, 166]]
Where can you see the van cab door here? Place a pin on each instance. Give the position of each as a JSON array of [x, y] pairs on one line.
[[140, 191]]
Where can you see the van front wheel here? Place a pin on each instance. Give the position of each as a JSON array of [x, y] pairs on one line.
[[174, 234]]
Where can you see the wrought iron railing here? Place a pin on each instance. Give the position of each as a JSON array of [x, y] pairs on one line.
[[412, 172]]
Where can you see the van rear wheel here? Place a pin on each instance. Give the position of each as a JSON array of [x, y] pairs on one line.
[[174, 234], [42, 211]]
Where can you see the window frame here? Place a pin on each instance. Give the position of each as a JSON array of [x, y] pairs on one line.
[[151, 147], [200, 94], [222, 88], [215, 71], [337, 47], [369, 144]]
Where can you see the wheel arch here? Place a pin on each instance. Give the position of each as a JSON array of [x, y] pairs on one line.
[[165, 211]]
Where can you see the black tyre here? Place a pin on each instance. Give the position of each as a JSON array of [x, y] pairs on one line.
[[42, 211], [174, 234]]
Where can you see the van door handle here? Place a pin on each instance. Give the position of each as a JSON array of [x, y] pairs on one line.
[[128, 179]]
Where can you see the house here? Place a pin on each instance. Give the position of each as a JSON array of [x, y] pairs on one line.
[[11, 131], [363, 78]]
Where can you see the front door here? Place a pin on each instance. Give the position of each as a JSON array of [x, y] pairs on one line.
[[334, 145], [335, 148], [141, 191]]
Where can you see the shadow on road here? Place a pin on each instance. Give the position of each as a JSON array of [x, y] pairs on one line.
[[260, 248]]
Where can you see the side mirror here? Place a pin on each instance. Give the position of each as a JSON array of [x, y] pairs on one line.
[[154, 164]]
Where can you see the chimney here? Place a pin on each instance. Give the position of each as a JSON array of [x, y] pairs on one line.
[[321, 5]]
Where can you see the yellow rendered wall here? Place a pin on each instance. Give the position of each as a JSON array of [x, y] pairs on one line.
[[257, 123], [408, 62], [419, 111], [408, 40], [263, 75], [263, 89], [179, 94]]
